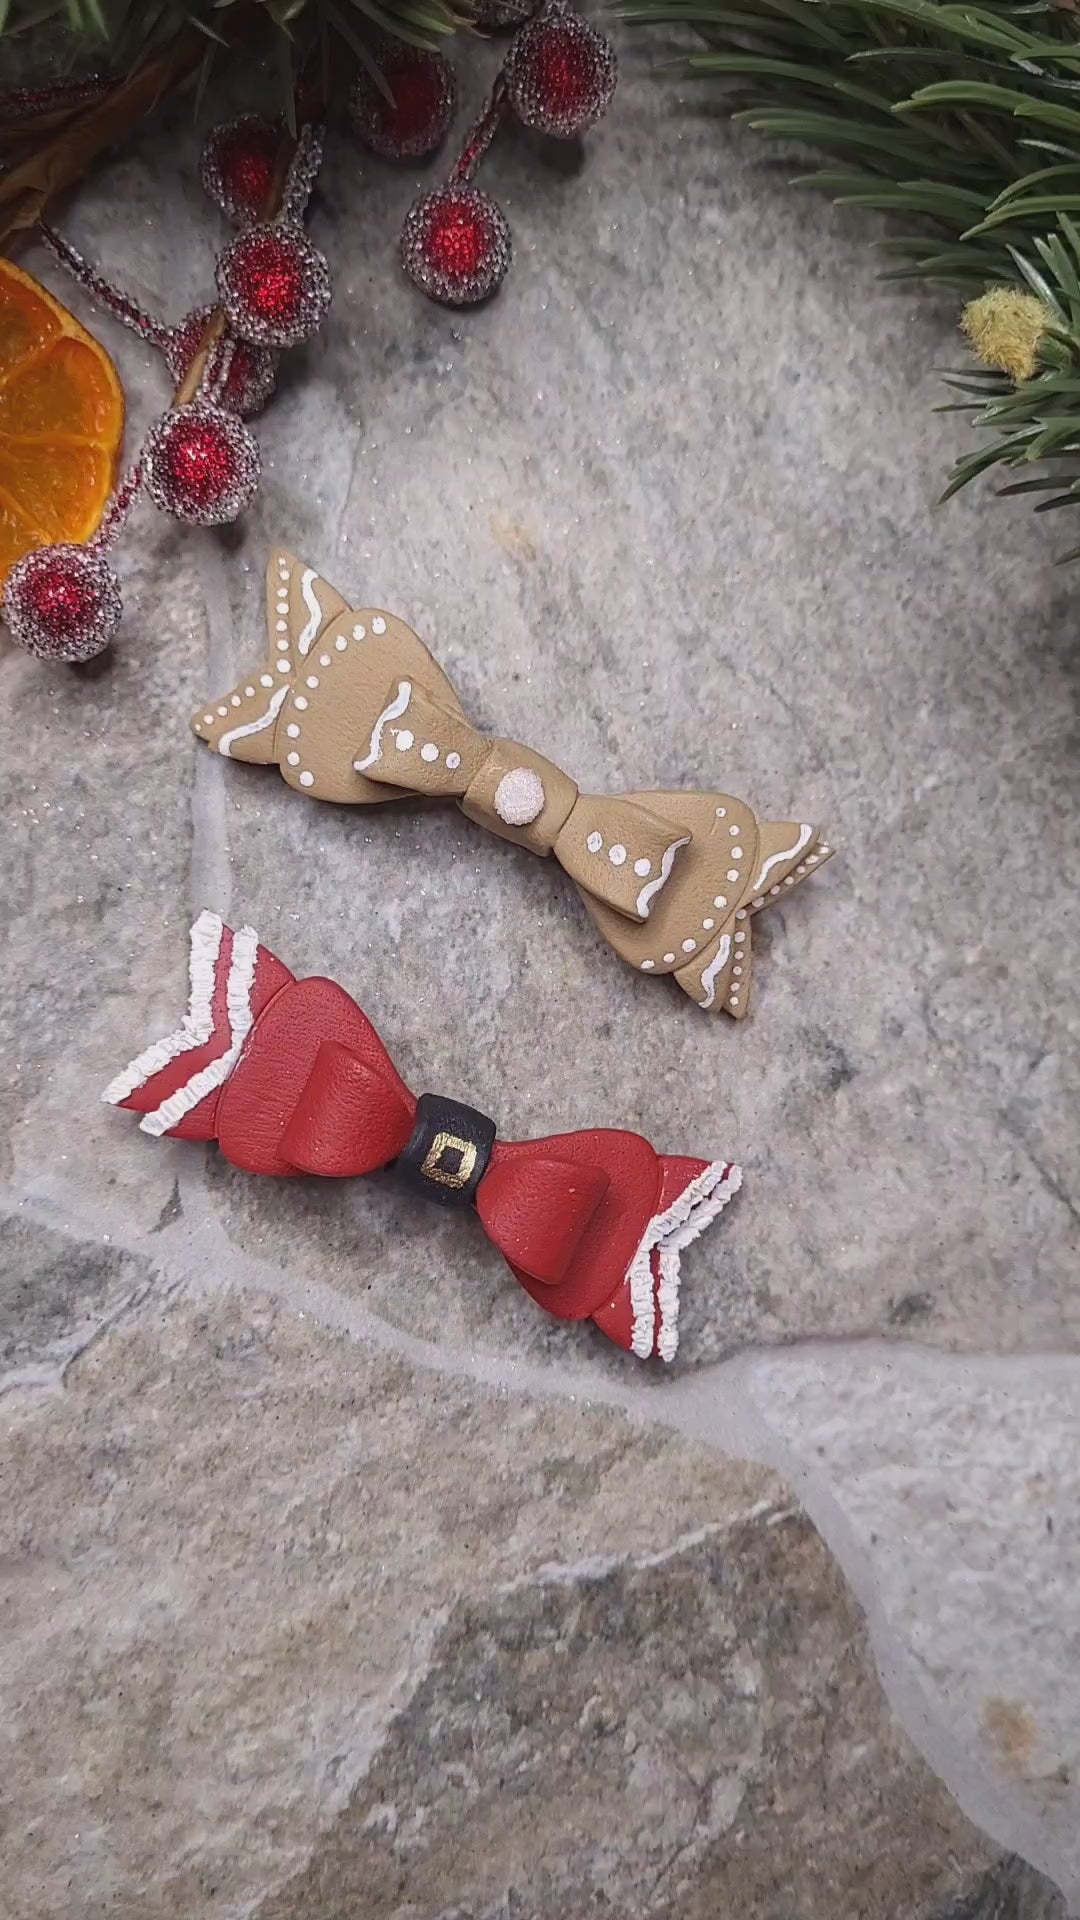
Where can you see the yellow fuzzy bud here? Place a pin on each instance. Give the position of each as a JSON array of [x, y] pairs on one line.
[[1004, 328]]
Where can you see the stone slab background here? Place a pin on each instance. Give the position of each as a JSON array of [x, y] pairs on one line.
[[327, 1562]]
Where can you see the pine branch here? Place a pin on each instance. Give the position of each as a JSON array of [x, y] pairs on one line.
[[965, 122]]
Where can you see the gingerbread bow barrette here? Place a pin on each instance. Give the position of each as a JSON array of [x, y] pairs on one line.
[[351, 707], [289, 1076]]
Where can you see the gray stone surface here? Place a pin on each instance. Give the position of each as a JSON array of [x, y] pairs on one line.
[[960, 1485], [290, 1473], [355, 1639]]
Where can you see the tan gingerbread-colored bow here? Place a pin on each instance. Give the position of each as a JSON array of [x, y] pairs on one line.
[[351, 707]]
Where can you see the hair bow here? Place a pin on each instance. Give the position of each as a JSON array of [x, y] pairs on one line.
[[289, 1076], [351, 707]]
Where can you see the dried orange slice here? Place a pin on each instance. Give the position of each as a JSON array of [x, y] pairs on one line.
[[61, 421]]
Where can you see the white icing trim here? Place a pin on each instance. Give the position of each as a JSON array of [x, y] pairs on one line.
[[245, 954], [277, 700], [688, 1215], [311, 602], [774, 858], [198, 1022], [654, 886], [709, 973], [398, 706]]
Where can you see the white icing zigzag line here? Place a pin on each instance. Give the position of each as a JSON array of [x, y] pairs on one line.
[[238, 992], [277, 700], [652, 887], [804, 835], [708, 977], [311, 601], [393, 712], [687, 1216], [198, 1022]]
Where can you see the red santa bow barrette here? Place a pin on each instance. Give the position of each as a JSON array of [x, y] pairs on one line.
[[289, 1076]]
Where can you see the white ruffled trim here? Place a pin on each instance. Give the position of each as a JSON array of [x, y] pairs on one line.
[[688, 1216], [197, 1026], [198, 1022], [238, 993]]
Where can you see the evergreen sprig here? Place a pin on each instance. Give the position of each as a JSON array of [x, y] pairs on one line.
[[962, 123], [122, 34]]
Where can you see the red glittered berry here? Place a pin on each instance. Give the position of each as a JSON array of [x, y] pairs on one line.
[[237, 166], [252, 373], [455, 245], [423, 87], [62, 603], [201, 464], [560, 73], [274, 285]]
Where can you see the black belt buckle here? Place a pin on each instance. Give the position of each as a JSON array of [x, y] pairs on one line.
[[447, 1155]]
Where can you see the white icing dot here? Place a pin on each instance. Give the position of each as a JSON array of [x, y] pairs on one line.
[[324, 659], [265, 680], [736, 853], [359, 633], [708, 925], [759, 902], [301, 702], [313, 679], [594, 842], [721, 813], [235, 700], [404, 740], [774, 889], [668, 958], [740, 937], [282, 665], [250, 691], [789, 882], [223, 711], [642, 867], [721, 900], [453, 760], [283, 645], [378, 625], [734, 1000], [617, 854], [282, 626], [519, 796], [293, 730], [736, 973], [283, 605], [733, 873], [209, 718], [688, 946], [811, 860], [341, 642], [307, 779], [647, 966], [734, 831], [429, 751], [198, 726], [293, 759]]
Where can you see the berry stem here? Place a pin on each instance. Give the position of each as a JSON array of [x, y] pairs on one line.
[[112, 298], [480, 134]]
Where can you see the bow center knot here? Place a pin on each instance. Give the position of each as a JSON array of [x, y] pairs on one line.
[[447, 1153], [518, 794]]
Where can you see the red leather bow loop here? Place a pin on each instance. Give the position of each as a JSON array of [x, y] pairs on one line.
[[290, 1076]]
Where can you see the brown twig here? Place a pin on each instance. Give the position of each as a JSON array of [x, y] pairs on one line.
[[27, 188]]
